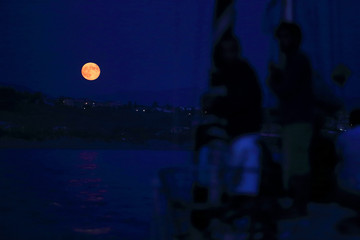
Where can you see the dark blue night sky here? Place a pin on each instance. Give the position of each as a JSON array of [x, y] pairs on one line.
[[142, 47], [139, 45], [147, 49]]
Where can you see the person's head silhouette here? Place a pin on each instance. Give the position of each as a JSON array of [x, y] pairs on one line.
[[226, 52], [289, 36]]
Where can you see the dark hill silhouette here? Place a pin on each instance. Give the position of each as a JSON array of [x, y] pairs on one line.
[[175, 97], [16, 87]]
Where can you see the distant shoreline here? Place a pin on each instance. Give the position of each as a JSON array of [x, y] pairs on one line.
[[78, 143]]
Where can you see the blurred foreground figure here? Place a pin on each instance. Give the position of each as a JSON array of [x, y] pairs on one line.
[[234, 167], [243, 101], [292, 84], [232, 108], [232, 105]]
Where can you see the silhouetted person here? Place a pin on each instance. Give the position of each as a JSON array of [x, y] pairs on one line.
[[292, 84], [235, 97], [242, 105], [234, 100]]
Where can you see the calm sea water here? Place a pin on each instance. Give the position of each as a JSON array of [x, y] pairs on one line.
[[80, 194]]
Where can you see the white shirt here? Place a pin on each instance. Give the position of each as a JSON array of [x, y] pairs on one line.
[[244, 165]]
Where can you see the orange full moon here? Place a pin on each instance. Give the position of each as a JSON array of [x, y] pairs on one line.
[[90, 71]]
